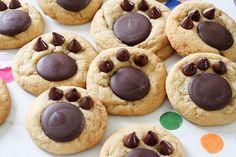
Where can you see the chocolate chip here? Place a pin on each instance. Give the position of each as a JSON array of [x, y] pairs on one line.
[[122, 55], [189, 69], [55, 93], [203, 64], [165, 148], [150, 139], [209, 13], [56, 67], [72, 95], [106, 66], [195, 15], [215, 35], [62, 122], [131, 141], [141, 60], [141, 152], [74, 46], [73, 5], [3, 6], [143, 5], [57, 39], [86, 103], [132, 28], [130, 84], [220, 68], [210, 91], [13, 22], [40, 45], [14, 4], [154, 13], [187, 23], [126, 5]]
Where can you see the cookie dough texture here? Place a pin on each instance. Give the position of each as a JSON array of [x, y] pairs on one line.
[[95, 125], [55, 11], [98, 83], [102, 28], [35, 29], [177, 91], [186, 42], [25, 61], [114, 145], [4, 101]]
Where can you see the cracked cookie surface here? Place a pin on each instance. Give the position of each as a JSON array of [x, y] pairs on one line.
[[195, 27], [66, 120], [70, 12], [202, 87], [4, 101], [20, 23], [142, 140], [54, 59], [136, 23], [128, 81]]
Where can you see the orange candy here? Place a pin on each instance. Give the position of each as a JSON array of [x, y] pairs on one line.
[[212, 143]]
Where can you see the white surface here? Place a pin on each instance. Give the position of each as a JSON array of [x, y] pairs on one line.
[[14, 139]]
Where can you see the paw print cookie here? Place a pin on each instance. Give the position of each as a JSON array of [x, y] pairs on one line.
[[19, 24], [136, 23], [128, 81], [70, 12], [4, 101], [202, 87], [142, 141], [195, 27], [66, 120], [54, 59]]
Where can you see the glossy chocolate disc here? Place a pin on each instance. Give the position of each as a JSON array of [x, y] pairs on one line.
[[62, 122], [140, 152], [13, 22], [210, 91], [132, 28], [130, 84], [73, 5], [56, 67], [215, 35]]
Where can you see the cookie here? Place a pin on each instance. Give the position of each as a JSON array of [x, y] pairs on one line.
[[20, 23], [144, 23], [70, 12], [66, 120], [4, 101], [195, 27], [202, 87], [128, 81], [54, 59], [142, 140]]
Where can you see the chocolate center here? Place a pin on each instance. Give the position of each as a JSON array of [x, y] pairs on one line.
[[215, 35], [210, 91], [73, 5], [132, 28], [62, 122], [140, 152], [13, 22], [130, 84], [56, 67]]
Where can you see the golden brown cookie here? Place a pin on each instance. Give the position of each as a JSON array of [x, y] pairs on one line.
[[128, 81], [4, 101], [54, 59], [66, 120], [194, 27], [19, 24], [136, 23], [71, 12]]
